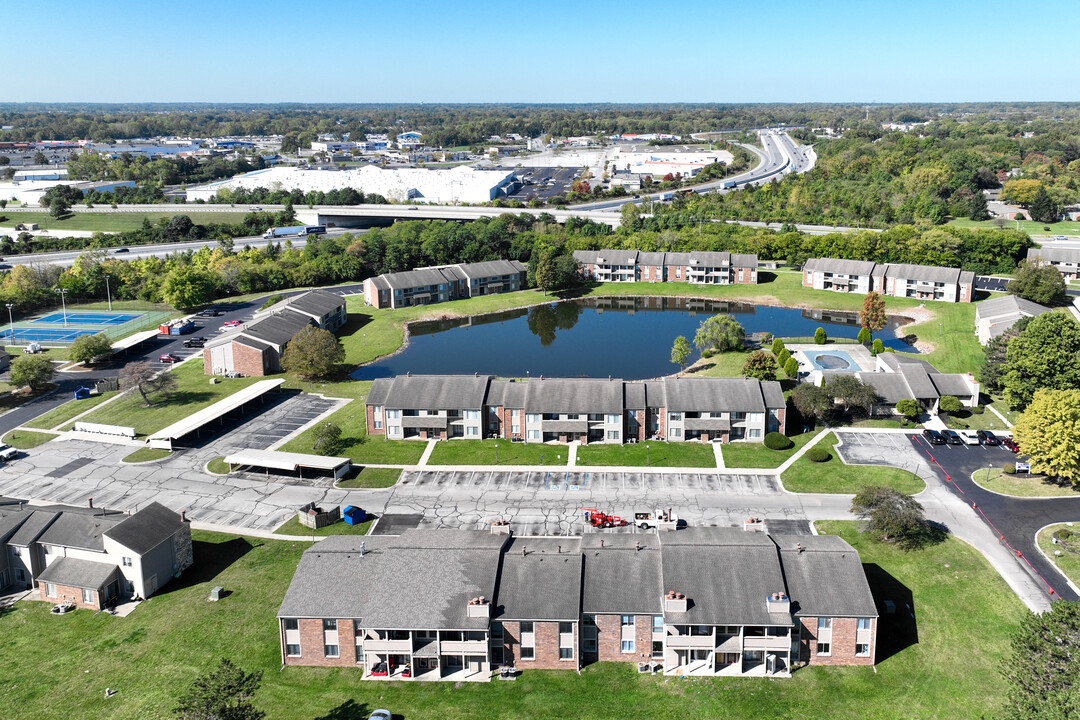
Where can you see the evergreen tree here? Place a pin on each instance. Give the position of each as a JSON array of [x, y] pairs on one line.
[[978, 209], [1043, 208]]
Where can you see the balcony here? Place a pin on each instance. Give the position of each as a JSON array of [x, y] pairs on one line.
[[729, 644], [463, 647], [690, 641], [767, 643], [396, 647]]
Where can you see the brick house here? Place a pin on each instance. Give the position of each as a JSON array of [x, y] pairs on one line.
[[442, 283], [921, 282], [697, 267]]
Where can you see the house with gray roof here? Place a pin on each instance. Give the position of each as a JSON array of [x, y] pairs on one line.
[[697, 267], [996, 316], [1065, 260], [452, 605], [898, 377], [921, 282], [442, 283], [325, 309]]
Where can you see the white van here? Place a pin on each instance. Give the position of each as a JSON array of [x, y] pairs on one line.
[[33, 348]]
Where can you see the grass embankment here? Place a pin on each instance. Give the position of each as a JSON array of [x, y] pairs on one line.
[[60, 415], [53, 353], [650, 454], [26, 439], [153, 655], [1068, 562], [371, 477], [756, 455], [113, 221], [1068, 227], [483, 452], [147, 454], [1022, 484], [292, 526], [834, 476]]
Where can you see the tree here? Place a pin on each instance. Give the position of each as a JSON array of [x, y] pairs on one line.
[[877, 348], [1049, 432], [1038, 282], [864, 336], [188, 287], [223, 694], [1041, 670], [909, 408], [761, 365], [977, 208], [992, 372], [783, 357], [820, 337], [777, 346], [547, 275], [148, 380], [31, 370], [680, 352], [791, 368], [851, 393], [873, 312], [88, 348], [891, 516], [312, 353], [1020, 191], [327, 439], [1045, 355], [720, 333], [1043, 208], [812, 401], [40, 159], [950, 404], [59, 207]]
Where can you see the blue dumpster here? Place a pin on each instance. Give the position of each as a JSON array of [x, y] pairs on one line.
[[82, 392], [354, 515]]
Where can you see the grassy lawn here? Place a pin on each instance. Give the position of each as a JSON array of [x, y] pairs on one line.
[[985, 420], [153, 655], [877, 423], [1021, 484], [1067, 562], [147, 454], [113, 222], [1029, 226], [834, 476], [482, 452], [652, 454], [725, 364], [1002, 407], [60, 415], [371, 477], [756, 455], [193, 392], [293, 527], [53, 353], [26, 439], [956, 349], [219, 466]]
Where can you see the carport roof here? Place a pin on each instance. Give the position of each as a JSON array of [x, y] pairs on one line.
[[133, 340], [540, 580], [72, 572], [197, 420], [288, 461]]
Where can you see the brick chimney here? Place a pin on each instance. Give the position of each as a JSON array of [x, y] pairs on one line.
[[479, 607], [675, 602], [778, 602]]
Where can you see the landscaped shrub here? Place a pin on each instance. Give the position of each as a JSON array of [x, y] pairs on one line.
[[865, 336], [1008, 469], [707, 353], [877, 347], [272, 300], [791, 368], [818, 455], [977, 410], [1064, 534], [819, 336], [777, 346], [782, 357], [778, 441]]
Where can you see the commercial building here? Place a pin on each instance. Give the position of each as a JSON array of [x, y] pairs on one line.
[[441, 283], [996, 316], [584, 410], [255, 349], [921, 282], [452, 605], [89, 559], [1066, 260], [698, 268]]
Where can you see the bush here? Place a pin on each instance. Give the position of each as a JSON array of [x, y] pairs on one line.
[[977, 410], [819, 336], [791, 368], [1009, 469], [864, 336], [1020, 216], [778, 441], [782, 357], [818, 455], [877, 348], [272, 300], [707, 353], [1064, 534], [777, 346]]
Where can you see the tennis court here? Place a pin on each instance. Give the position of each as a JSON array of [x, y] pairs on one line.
[[60, 328], [87, 318]]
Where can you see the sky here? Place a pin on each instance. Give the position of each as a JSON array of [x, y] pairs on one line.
[[544, 51]]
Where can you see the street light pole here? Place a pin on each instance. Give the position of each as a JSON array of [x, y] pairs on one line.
[[646, 454], [11, 323], [496, 453], [63, 302], [988, 473], [108, 291]]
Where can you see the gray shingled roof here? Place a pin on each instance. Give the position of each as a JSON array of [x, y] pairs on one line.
[[10, 522], [491, 268], [652, 258], [918, 380], [890, 387], [316, 302], [634, 396], [29, 531], [574, 395], [773, 394], [421, 277], [622, 574], [542, 584], [73, 572], [610, 256], [714, 394], [585, 256], [826, 578], [896, 361], [437, 392], [928, 273], [380, 388], [842, 267], [277, 329], [950, 384], [710, 259], [744, 260], [144, 530], [1068, 255], [78, 531], [1008, 305]]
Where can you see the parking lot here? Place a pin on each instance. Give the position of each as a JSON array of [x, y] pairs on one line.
[[576, 480], [909, 451], [561, 179]]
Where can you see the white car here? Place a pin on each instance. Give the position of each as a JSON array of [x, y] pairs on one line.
[[970, 437], [7, 453], [380, 715]]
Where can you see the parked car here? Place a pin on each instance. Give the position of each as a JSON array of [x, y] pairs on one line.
[[117, 251], [970, 437], [933, 437], [169, 358], [1009, 443], [233, 323], [988, 438], [7, 453], [194, 342], [209, 312], [4, 266], [951, 437], [380, 715]]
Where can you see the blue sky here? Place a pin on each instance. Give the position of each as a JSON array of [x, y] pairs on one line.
[[540, 51]]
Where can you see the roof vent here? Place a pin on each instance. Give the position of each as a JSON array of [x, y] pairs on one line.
[[675, 602], [778, 602], [799, 547], [478, 607]]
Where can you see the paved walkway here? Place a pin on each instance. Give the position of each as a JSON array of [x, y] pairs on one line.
[[427, 453], [718, 453]]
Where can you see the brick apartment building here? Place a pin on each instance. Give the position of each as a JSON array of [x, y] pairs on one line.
[[699, 268], [1065, 260], [442, 283], [455, 604], [584, 410], [921, 282]]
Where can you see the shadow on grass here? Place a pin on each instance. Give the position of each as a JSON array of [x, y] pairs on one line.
[[900, 630], [764, 276], [349, 710], [211, 559]]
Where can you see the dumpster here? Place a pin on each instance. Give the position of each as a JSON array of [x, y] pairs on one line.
[[354, 515], [82, 392]]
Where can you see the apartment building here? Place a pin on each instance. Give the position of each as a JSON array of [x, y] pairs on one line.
[[325, 309], [1065, 260], [995, 317], [424, 286], [89, 559], [698, 267], [455, 604], [583, 410], [921, 282]]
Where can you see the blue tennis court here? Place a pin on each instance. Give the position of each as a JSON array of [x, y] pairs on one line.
[[88, 318], [26, 334]]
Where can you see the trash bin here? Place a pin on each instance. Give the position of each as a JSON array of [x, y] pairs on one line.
[[354, 515], [82, 392]]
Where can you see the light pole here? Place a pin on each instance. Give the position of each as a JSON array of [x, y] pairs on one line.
[[108, 291], [988, 473], [63, 302], [646, 454], [11, 323], [496, 453]]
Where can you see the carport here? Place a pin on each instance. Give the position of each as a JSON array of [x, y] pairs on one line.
[[290, 462], [133, 341], [164, 439]]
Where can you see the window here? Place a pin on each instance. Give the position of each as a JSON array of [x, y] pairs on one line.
[[292, 650], [50, 590], [393, 414], [515, 428], [612, 419], [566, 653], [126, 561], [472, 414], [675, 416], [612, 434], [527, 653], [565, 627], [863, 623], [496, 631], [861, 649], [329, 624], [394, 430], [824, 648], [534, 434], [532, 417], [824, 623], [88, 597], [676, 432], [472, 430], [628, 646], [627, 621], [658, 649], [292, 624], [330, 650], [20, 575], [526, 627], [657, 623], [378, 424], [753, 433]]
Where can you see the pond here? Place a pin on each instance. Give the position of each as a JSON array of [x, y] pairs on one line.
[[625, 337]]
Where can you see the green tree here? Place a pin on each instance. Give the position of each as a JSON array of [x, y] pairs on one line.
[[312, 353], [1043, 208], [188, 287], [547, 274], [777, 346], [812, 402], [877, 348], [148, 379], [873, 312], [950, 404], [891, 516], [1049, 432], [59, 207], [720, 333], [820, 337], [40, 159], [32, 371], [791, 368], [909, 408], [851, 393], [1041, 669], [680, 352], [992, 372], [223, 694], [864, 336], [783, 357], [1045, 355], [327, 439], [977, 208], [1038, 282], [88, 348], [761, 365]]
